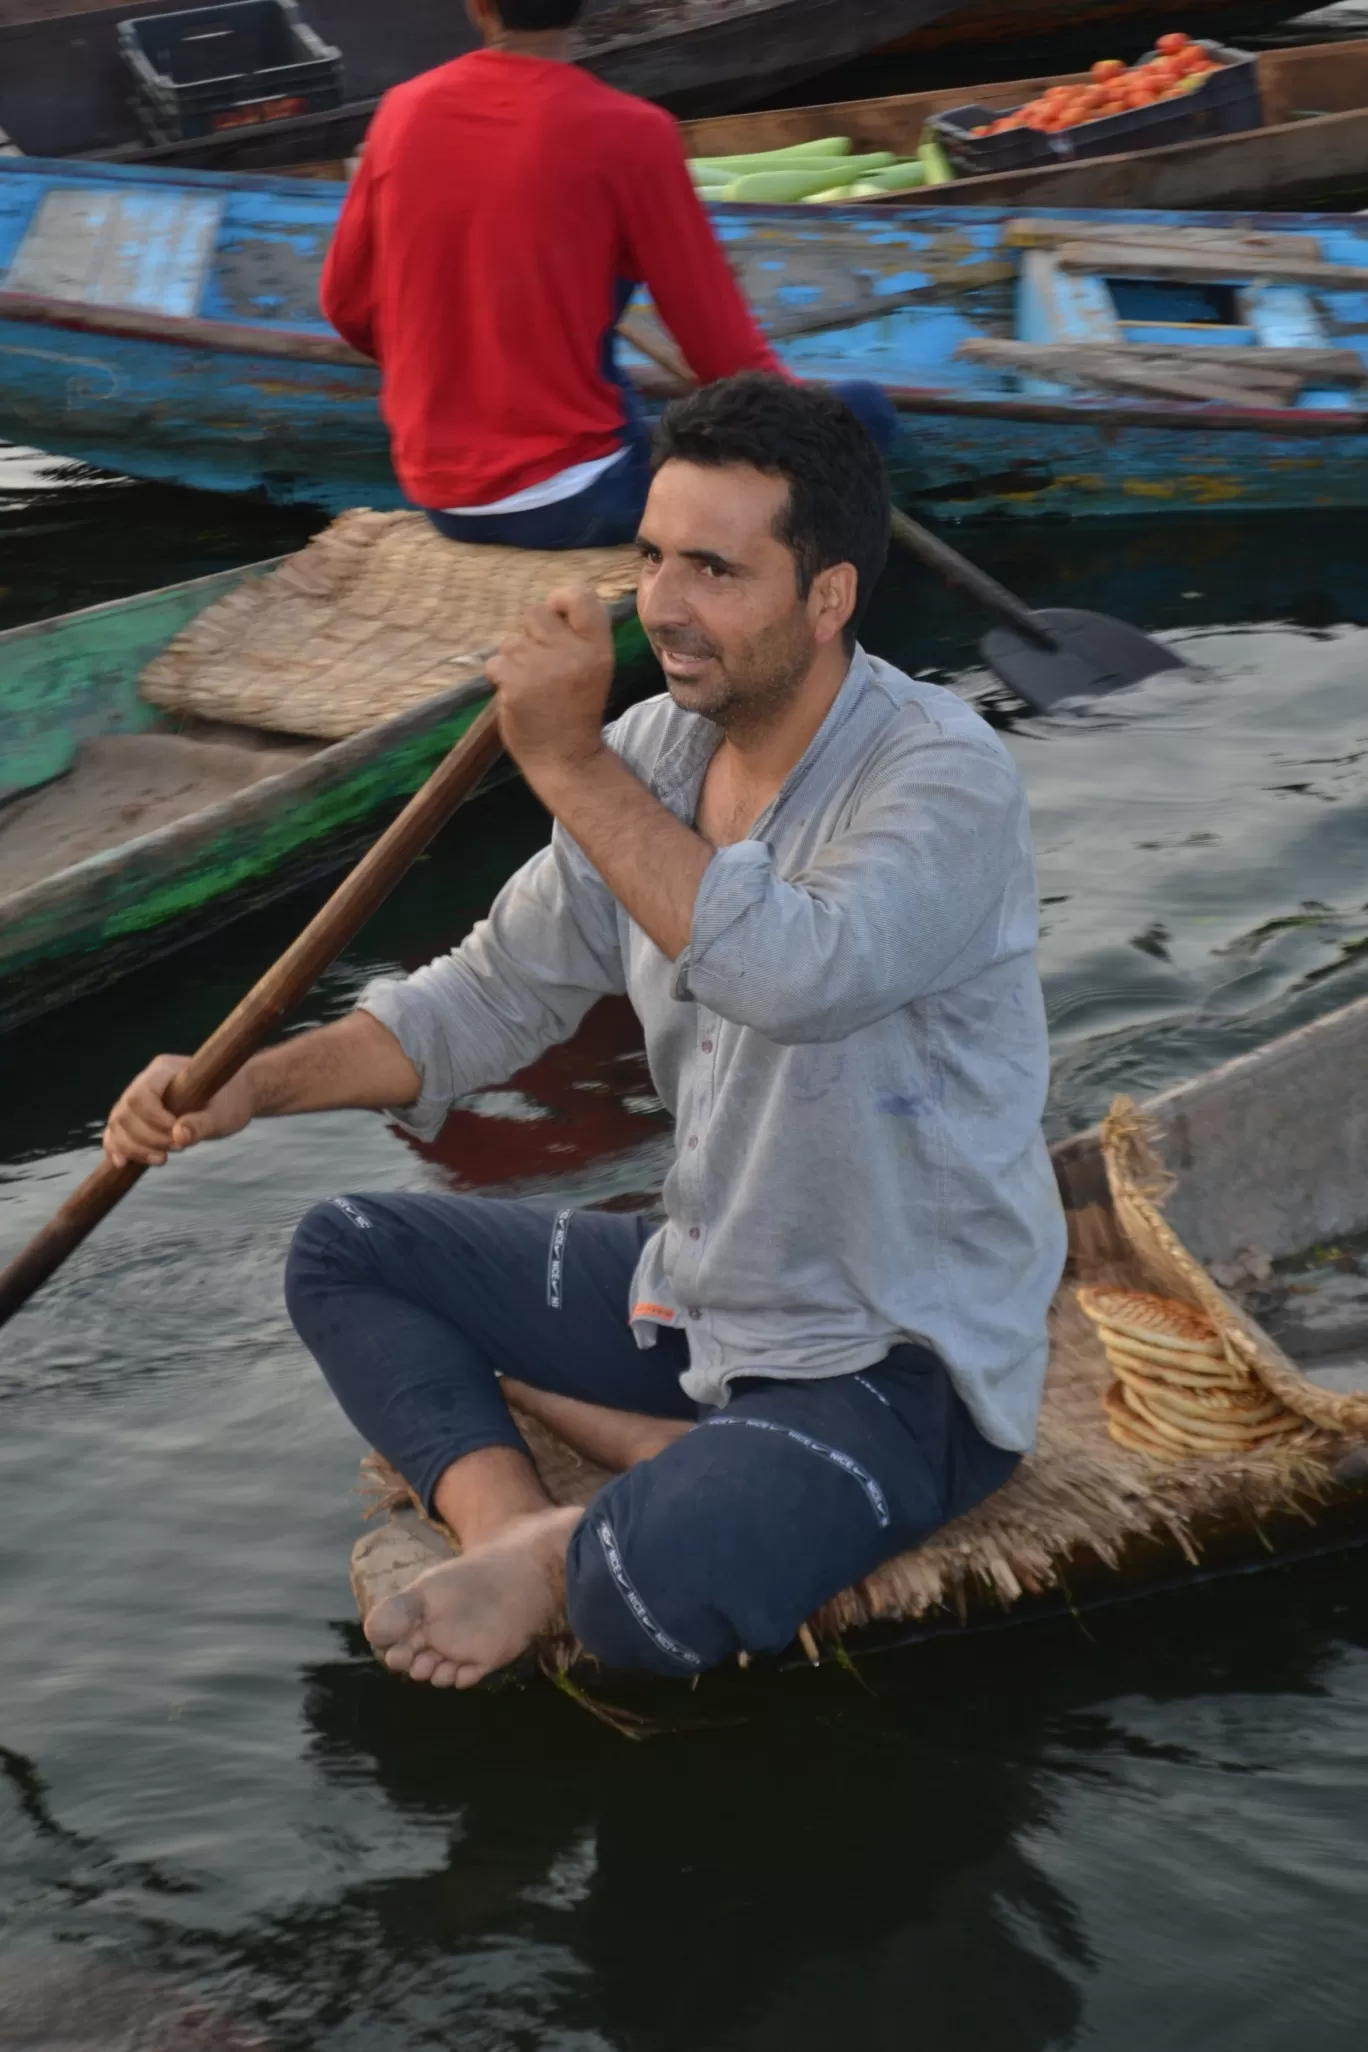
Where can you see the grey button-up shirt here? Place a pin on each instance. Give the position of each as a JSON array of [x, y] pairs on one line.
[[852, 1046]]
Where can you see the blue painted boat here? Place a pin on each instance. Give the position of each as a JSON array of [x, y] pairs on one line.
[[165, 324], [173, 316]]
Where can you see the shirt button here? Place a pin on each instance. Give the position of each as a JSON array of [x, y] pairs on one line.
[[693, 1140], [707, 1047], [693, 1232]]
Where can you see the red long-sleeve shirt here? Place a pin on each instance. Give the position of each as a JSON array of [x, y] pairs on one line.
[[501, 209]]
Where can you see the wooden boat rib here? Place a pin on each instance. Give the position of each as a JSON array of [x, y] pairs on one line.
[[1084, 1523], [1313, 145], [235, 721]]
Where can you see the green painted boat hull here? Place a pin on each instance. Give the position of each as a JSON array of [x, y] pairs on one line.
[[69, 680]]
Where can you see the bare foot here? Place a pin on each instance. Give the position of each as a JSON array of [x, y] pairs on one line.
[[615, 1439], [462, 1620]]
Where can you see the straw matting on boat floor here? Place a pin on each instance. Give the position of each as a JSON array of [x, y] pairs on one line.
[[1078, 1493], [378, 613]]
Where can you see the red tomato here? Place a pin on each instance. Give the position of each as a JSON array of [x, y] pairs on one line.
[[1173, 41], [1107, 67]]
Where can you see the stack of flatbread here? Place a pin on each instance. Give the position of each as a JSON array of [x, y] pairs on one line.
[[1178, 1392]]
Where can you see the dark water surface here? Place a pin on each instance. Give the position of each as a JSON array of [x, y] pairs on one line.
[[1146, 1833]]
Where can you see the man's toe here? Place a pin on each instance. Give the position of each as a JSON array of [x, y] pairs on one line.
[[397, 1618], [424, 1665], [443, 1675]]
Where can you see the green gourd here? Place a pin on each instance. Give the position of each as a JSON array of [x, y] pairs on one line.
[[897, 178], [797, 183], [935, 163], [770, 160]]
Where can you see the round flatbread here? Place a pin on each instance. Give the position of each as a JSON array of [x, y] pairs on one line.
[[1176, 1437], [1197, 1367], [1201, 1438], [1241, 1407], [1230, 1438], [1194, 1369], [1216, 1406], [1163, 1321], [1230, 1380], [1129, 1431]]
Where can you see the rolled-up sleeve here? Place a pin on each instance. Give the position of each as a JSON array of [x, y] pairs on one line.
[[519, 983], [907, 900]]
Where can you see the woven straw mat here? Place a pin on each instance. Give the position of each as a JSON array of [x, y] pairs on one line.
[[1078, 1493], [378, 613]]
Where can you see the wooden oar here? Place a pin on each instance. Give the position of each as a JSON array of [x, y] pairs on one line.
[[283, 985], [1048, 656], [1045, 657]]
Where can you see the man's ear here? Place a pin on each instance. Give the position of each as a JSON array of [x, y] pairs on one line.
[[832, 599], [484, 16]]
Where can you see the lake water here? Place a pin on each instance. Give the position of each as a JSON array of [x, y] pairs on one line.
[[1140, 1833]]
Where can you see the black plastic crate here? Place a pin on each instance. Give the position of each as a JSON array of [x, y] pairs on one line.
[[208, 68], [1227, 101]]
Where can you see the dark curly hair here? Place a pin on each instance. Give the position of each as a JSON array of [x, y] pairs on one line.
[[838, 507]]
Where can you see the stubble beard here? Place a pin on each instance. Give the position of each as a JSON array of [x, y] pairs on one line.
[[758, 682]]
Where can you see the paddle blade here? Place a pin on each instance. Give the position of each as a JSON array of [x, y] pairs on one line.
[[1094, 654]]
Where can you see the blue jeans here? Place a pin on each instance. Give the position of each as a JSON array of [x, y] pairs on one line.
[[413, 1306], [610, 510]]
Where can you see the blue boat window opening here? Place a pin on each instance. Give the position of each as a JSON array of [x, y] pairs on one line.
[[1178, 310]]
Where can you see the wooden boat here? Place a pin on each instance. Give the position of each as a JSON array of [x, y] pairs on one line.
[[63, 90], [1060, 29], [165, 324], [1312, 149], [1084, 1523], [269, 811]]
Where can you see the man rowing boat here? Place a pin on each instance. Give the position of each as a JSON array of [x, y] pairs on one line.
[[812, 875], [507, 206]]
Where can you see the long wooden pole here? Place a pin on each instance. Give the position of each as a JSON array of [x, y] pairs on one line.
[[284, 984]]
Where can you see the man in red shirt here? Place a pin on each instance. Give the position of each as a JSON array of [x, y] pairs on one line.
[[506, 207]]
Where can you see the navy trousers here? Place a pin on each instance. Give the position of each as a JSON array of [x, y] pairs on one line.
[[413, 1306], [610, 510]]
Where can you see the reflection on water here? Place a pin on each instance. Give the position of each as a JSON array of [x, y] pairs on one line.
[[1144, 1829], [75, 537]]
